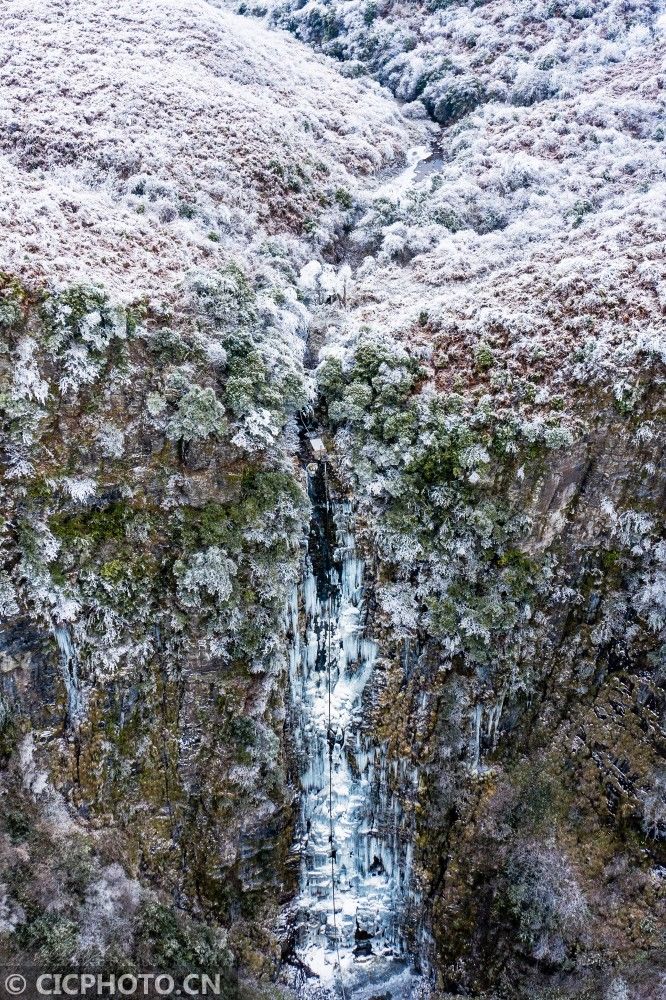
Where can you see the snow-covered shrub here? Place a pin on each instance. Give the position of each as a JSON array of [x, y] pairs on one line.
[[8, 603], [557, 437], [451, 101], [81, 327], [222, 300], [205, 573], [156, 404], [543, 896], [108, 914], [111, 441], [199, 415], [484, 357], [12, 914], [653, 808]]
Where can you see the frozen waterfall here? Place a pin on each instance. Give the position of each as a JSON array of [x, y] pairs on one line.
[[354, 868]]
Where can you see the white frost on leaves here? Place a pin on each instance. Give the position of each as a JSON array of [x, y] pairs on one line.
[[36, 782], [111, 441], [618, 990], [28, 383], [11, 913], [650, 599], [326, 283], [398, 601], [260, 430], [208, 572], [106, 917], [79, 489], [156, 404], [65, 609], [476, 455], [8, 602]]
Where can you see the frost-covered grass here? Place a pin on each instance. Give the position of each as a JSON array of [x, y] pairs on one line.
[[140, 140]]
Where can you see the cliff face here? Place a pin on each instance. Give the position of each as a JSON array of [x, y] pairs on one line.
[[147, 560], [332, 544], [533, 723], [518, 593]]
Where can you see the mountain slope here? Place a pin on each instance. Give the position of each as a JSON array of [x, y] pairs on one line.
[[149, 139], [333, 537]]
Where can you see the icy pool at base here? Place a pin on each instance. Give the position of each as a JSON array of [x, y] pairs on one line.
[[383, 981]]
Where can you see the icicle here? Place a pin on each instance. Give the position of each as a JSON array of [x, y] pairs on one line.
[[70, 673], [477, 717]]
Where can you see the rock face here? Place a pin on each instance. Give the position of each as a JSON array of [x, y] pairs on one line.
[[147, 564], [528, 663], [333, 559]]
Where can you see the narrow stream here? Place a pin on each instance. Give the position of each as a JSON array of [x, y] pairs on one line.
[[421, 162]]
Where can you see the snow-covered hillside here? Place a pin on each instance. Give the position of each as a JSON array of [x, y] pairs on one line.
[[540, 219], [141, 139], [456, 55]]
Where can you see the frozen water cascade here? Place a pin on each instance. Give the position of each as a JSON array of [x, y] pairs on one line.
[[354, 843], [354, 872]]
